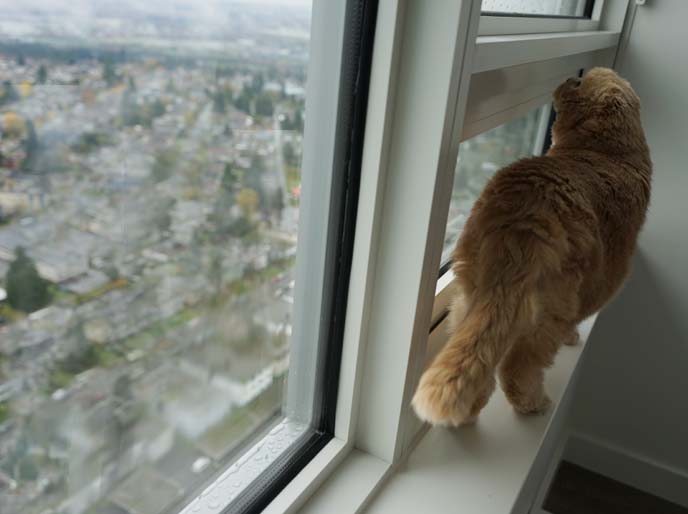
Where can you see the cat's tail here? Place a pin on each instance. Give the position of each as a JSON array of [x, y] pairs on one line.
[[503, 302]]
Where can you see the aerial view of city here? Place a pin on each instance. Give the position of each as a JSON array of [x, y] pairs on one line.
[[149, 191]]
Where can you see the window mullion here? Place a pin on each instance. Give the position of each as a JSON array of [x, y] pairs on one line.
[[432, 89]]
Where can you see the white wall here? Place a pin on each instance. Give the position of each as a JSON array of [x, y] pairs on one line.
[[633, 388]]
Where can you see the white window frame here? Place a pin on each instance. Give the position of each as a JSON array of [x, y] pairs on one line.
[[431, 87]]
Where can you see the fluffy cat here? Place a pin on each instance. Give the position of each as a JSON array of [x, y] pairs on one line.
[[547, 244]]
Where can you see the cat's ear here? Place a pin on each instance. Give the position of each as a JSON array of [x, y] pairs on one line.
[[612, 97]]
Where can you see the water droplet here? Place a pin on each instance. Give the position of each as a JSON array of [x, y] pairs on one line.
[[277, 429], [196, 508]]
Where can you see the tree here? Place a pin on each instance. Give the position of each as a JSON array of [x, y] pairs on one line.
[[21, 61], [254, 179], [243, 101], [298, 121], [41, 74], [125, 411], [27, 469], [83, 357], [158, 108], [8, 94], [257, 83], [219, 103], [293, 123], [13, 125], [121, 389], [131, 83], [277, 202], [289, 154], [129, 111], [264, 105], [109, 75], [30, 146], [162, 216], [247, 200], [26, 290], [170, 88], [240, 227], [216, 274], [232, 178], [164, 165]]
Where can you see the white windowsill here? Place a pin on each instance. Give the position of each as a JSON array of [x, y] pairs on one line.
[[480, 468]]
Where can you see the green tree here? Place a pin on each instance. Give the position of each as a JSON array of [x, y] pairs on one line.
[[30, 144], [109, 74], [243, 101], [84, 357], [298, 121], [26, 290], [121, 389], [264, 105], [170, 88], [277, 202], [289, 154], [240, 227], [164, 165], [162, 217], [8, 94], [27, 469], [232, 178], [216, 274], [254, 179], [125, 410], [219, 102], [158, 108], [257, 83], [4, 412], [41, 74]]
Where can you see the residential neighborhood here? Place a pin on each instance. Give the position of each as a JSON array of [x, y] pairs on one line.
[[149, 196]]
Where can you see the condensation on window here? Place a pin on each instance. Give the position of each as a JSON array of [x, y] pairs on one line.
[[537, 7], [149, 205]]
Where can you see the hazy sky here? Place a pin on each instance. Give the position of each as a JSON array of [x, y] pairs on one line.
[[58, 4]]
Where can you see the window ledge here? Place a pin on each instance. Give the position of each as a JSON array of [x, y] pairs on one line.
[[480, 467]]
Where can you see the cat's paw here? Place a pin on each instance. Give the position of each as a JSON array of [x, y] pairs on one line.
[[573, 339], [528, 405], [448, 401]]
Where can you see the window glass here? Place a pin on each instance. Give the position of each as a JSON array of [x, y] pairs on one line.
[[149, 192], [481, 157], [576, 8]]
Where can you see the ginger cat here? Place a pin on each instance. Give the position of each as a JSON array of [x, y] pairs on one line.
[[547, 244]]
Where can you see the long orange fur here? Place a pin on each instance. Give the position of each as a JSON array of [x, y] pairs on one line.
[[547, 244]]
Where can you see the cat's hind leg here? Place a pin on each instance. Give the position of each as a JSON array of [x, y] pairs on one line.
[[522, 370]]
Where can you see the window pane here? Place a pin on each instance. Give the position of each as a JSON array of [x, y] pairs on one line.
[[537, 7], [149, 194], [481, 157]]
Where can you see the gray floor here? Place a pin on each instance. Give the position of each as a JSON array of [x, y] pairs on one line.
[[576, 490]]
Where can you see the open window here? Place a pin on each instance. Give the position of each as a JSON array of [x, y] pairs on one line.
[[221, 225]]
